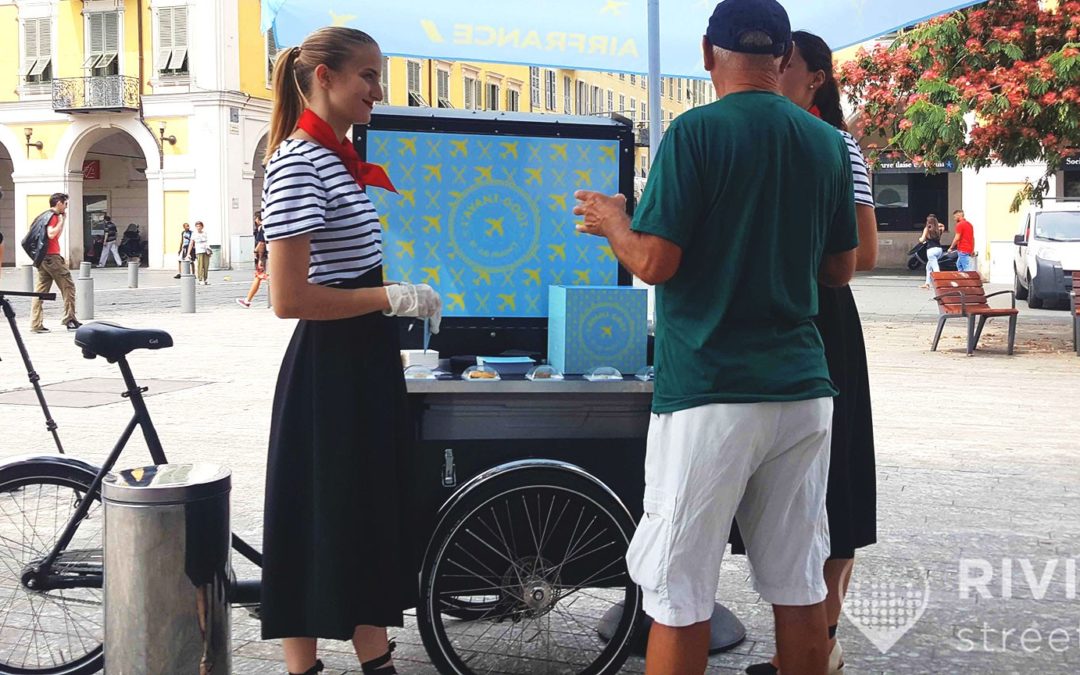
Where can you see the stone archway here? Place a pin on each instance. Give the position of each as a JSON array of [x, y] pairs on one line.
[[107, 166], [259, 173], [7, 207]]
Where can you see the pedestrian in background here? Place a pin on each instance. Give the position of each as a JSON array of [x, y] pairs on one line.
[[931, 238], [185, 250], [109, 243], [53, 268], [200, 245], [261, 274], [963, 243]]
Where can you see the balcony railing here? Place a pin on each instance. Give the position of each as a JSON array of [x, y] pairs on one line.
[[102, 93]]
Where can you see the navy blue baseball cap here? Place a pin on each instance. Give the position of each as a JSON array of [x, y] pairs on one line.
[[733, 19]]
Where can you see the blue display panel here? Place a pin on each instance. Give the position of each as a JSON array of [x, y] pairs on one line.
[[487, 219]]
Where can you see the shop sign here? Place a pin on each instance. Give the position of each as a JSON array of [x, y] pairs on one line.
[[91, 169]]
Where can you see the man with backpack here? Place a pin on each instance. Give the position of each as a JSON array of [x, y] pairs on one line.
[[42, 244]]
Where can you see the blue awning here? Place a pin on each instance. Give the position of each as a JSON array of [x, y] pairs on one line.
[[605, 35]]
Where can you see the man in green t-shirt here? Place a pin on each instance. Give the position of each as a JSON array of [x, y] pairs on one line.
[[749, 204]]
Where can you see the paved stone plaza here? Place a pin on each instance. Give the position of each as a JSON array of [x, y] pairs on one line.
[[978, 468]]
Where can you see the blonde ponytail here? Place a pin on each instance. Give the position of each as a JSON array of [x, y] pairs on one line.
[[293, 71]]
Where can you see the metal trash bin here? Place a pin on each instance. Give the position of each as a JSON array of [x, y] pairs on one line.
[[167, 570]]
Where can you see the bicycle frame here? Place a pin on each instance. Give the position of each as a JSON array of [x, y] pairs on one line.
[[35, 379], [40, 578]]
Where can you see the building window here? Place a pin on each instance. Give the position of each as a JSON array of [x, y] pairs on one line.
[[596, 103], [272, 51], [622, 104], [633, 110], [37, 50], [663, 85], [413, 84], [568, 94], [678, 92], [633, 79], [582, 98], [102, 43], [534, 88], [1071, 185], [442, 89], [622, 77], [492, 96], [470, 92], [513, 100], [550, 97], [644, 82], [172, 54], [384, 80], [610, 101]]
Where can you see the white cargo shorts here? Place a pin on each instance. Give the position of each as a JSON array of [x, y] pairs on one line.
[[766, 464]]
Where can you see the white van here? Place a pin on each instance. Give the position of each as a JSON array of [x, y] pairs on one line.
[[1047, 253]]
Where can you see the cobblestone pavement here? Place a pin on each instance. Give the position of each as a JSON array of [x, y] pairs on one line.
[[977, 462]]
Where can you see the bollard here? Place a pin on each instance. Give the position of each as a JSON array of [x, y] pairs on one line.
[[27, 273], [133, 274], [84, 294], [187, 288], [166, 550]]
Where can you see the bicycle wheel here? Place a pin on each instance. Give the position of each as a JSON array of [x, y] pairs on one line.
[[60, 631], [535, 558]]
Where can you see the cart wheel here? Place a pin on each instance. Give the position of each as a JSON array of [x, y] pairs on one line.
[[520, 572]]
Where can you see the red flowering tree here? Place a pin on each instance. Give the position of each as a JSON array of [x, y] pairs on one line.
[[999, 82]]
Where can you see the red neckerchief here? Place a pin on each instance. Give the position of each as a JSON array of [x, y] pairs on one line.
[[815, 111], [365, 173]]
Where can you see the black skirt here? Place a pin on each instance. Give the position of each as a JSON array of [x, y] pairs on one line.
[[851, 501], [334, 552]]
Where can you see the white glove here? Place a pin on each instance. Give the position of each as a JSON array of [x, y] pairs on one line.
[[418, 300]]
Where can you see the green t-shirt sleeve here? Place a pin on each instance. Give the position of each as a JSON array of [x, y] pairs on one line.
[[844, 229], [671, 205]]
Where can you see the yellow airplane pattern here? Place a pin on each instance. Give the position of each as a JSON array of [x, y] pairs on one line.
[[584, 176], [409, 196], [558, 202], [407, 145], [341, 19], [535, 176], [384, 220], [481, 275], [459, 148], [582, 276], [607, 152], [557, 251], [532, 277], [433, 224], [456, 300], [606, 330], [408, 248], [496, 226], [614, 7], [433, 171], [558, 151], [508, 300], [509, 149], [485, 173], [430, 274], [606, 253]]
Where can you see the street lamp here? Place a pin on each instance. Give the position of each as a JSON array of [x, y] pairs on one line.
[[29, 133], [171, 140]]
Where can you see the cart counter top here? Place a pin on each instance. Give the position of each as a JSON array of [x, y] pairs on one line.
[[523, 386]]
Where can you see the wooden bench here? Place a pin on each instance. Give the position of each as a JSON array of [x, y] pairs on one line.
[[961, 295], [1074, 307]]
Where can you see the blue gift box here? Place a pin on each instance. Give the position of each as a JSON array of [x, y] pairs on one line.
[[590, 326]]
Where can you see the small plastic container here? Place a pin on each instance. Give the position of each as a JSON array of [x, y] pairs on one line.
[[544, 374], [419, 373], [480, 374], [646, 374], [603, 374]]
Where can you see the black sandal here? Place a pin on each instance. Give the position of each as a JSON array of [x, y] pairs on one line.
[[375, 665], [314, 670]]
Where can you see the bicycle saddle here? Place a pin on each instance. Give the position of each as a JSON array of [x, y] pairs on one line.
[[114, 342]]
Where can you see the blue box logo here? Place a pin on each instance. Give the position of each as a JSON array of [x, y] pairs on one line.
[[591, 326]]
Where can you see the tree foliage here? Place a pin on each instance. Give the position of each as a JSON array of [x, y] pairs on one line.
[[998, 82]]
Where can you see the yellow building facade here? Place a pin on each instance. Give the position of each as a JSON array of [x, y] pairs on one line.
[[157, 112]]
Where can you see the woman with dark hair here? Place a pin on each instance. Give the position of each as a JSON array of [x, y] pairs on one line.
[[335, 554], [931, 237], [852, 493]]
